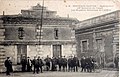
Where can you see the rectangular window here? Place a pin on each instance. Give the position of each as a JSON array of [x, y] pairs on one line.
[[99, 45], [56, 33], [84, 45]]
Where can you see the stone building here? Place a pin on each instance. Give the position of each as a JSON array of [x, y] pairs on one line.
[[20, 35], [99, 37]]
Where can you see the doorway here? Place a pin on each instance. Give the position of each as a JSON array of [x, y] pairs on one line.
[[57, 51], [21, 52]]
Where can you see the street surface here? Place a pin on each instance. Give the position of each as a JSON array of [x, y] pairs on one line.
[[103, 73]]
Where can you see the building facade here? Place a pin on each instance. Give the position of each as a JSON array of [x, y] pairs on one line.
[[99, 37], [22, 36]]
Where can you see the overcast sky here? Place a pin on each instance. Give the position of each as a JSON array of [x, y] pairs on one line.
[[80, 9]]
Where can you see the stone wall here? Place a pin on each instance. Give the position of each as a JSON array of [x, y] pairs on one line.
[[32, 51], [68, 50], [2, 58], [64, 32], [11, 32], [2, 50], [107, 47], [11, 51], [81, 37]]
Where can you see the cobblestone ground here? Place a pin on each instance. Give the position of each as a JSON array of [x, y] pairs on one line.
[[103, 73]]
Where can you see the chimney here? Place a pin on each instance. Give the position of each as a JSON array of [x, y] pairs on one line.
[[3, 13], [68, 16]]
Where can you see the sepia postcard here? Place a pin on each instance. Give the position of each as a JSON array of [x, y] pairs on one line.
[[59, 38]]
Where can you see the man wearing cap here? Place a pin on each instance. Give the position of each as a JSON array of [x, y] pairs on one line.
[[8, 65], [23, 63], [40, 64], [29, 64], [47, 62], [35, 65]]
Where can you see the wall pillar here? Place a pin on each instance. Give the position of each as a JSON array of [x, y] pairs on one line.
[[51, 53]]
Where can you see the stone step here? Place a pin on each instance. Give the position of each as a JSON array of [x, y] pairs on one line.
[[2, 30], [2, 37]]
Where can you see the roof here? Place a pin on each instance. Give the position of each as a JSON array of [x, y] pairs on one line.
[[33, 20], [20, 16], [106, 18]]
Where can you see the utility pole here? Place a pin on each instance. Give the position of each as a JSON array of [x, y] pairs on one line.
[[39, 25]]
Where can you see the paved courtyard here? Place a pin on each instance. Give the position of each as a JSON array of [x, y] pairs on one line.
[[103, 73]]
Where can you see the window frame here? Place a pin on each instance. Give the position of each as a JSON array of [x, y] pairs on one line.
[[87, 40], [103, 44], [56, 35]]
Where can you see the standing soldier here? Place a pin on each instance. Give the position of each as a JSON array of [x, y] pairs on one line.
[[8, 65], [24, 63], [89, 64], [83, 64], [60, 62], [54, 63], [64, 64], [92, 59], [75, 63], [29, 64], [40, 64], [35, 64], [116, 61], [70, 63], [47, 62]]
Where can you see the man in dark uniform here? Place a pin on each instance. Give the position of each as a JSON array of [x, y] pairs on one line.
[[75, 64], [60, 62], [40, 63], [36, 66], [83, 64], [29, 64], [92, 59], [89, 64], [70, 66], [54, 63], [47, 62], [64, 63], [8, 65], [24, 63], [116, 61]]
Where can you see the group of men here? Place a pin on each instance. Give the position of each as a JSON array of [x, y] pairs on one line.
[[36, 63], [51, 64], [26, 64], [64, 64], [87, 64], [60, 63]]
